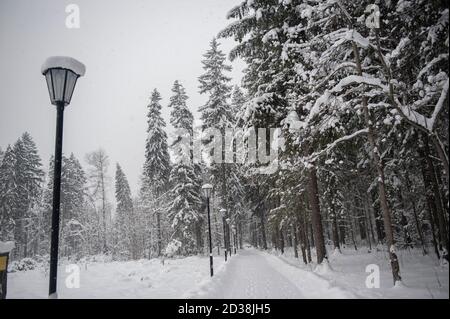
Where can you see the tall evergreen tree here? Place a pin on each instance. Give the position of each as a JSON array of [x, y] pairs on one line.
[[73, 224], [157, 164], [184, 212], [73, 191], [28, 178], [217, 114], [7, 194], [124, 220]]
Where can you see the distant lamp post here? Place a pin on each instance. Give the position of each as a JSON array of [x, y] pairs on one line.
[[61, 74], [207, 190], [223, 213], [234, 238]]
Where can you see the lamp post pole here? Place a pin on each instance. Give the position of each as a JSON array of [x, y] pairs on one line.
[[210, 243], [235, 239], [56, 200], [225, 237], [61, 74]]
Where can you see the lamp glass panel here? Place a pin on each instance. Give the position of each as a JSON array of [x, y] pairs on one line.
[[59, 76], [70, 85], [48, 78]]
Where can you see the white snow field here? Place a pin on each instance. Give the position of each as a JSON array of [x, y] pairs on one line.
[[249, 274]]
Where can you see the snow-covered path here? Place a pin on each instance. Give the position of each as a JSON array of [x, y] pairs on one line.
[[249, 275], [255, 274]]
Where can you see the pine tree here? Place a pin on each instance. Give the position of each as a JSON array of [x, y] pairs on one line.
[[157, 164], [180, 116], [125, 219], [216, 113], [237, 100], [31, 179], [28, 177], [7, 194], [184, 212], [74, 223], [73, 190]]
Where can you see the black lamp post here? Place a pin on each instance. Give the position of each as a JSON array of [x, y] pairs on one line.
[[61, 74], [223, 213], [207, 189], [234, 238]]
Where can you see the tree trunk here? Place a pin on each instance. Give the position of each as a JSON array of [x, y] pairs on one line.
[[335, 231], [366, 223], [416, 217], [369, 217], [316, 220], [443, 233], [431, 205], [381, 180], [441, 152], [294, 237], [281, 241], [308, 246], [263, 229], [158, 233]]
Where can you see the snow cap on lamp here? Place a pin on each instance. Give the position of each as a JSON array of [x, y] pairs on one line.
[[63, 62]]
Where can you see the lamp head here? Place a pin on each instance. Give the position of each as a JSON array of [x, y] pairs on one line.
[[207, 190], [61, 74]]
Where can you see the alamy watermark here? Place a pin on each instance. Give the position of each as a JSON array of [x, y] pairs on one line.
[[73, 277], [373, 279], [73, 16], [257, 147], [373, 19]]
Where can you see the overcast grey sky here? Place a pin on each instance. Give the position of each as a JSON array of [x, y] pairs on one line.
[[128, 47]]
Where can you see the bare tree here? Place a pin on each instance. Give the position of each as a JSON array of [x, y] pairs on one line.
[[98, 181]]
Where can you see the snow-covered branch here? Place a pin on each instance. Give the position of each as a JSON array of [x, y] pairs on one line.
[[356, 79], [329, 147]]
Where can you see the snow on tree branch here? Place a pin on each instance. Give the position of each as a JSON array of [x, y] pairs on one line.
[[313, 157], [352, 79]]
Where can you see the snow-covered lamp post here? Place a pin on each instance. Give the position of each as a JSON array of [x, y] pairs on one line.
[[61, 74], [207, 189], [223, 213]]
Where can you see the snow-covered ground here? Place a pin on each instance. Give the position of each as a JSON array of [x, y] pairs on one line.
[[132, 279], [250, 274], [422, 276]]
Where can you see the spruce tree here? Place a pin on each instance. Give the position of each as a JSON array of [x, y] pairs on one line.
[[218, 114], [7, 194], [73, 219], [184, 212], [28, 179], [124, 220], [157, 163]]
